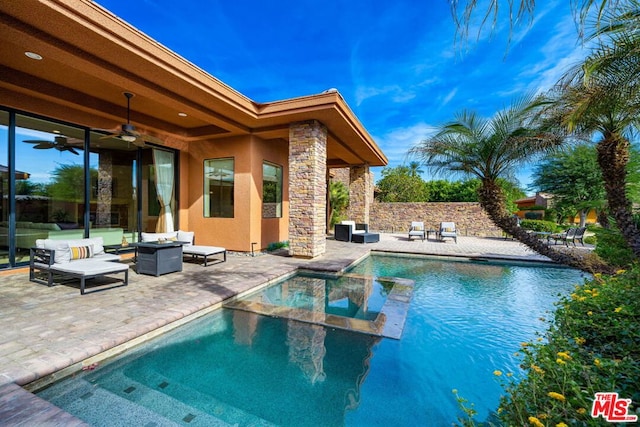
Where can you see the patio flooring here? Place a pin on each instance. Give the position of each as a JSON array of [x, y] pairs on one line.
[[47, 333]]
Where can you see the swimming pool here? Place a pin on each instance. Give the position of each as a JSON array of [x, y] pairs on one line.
[[235, 367]]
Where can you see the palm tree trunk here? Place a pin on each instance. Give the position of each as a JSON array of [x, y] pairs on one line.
[[613, 156], [493, 202]]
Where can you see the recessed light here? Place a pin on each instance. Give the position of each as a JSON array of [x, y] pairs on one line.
[[33, 55], [182, 114], [55, 131]]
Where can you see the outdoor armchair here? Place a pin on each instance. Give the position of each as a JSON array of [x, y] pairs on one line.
[[417, 229], [448, 229]]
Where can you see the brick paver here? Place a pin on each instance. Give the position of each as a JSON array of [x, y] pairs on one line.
[[44, 330]]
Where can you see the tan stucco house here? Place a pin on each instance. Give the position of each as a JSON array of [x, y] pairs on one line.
[[185, 151]]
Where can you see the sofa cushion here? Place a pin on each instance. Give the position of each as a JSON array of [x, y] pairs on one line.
[[91, 267], [97, 242], [81, 252], [62, 253], [154, 237], [185, 236]]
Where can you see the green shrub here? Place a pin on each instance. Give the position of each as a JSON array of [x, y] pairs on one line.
[[593, 345], [539, 225], [277, 245], [613, 248]]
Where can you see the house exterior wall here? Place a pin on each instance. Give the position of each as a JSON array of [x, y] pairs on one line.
[[247, 224]]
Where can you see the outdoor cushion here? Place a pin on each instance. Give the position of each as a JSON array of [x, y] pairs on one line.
[[202, 250], [80, 252], [352, 224], [97, 242], [90, 267], [186, 236], [61, 248], [154, 237]]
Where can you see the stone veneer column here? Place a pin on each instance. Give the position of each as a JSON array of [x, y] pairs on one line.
[[307, 189], [360, 186]]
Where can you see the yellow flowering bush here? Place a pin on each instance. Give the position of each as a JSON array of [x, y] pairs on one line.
[[592, 345], [556, 396]]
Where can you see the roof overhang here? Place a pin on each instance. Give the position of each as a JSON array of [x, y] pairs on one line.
[[91, 57]]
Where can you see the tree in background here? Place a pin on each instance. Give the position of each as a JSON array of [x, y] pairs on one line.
[[400, 184], [30, 188], [66, 183], [574, 179], [491, 149], [602, 97], [338, 202]]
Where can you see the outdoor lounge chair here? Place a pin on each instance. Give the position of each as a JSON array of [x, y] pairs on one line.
[[188, 248], [448, 229], [417, 229], [564, 237], [570, 235]]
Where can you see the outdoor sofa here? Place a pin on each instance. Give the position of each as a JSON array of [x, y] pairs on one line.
[[188, 248], [345, 230], [350, 231], [76, 258]]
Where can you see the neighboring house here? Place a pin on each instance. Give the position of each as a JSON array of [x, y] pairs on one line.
[[239, 173], [533, 207]]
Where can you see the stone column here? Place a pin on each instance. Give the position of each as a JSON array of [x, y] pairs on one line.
[[307, 189], [360, 190]]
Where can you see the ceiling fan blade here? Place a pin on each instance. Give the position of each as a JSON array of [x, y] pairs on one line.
[[73, 150], [43, 145], [34, 141]]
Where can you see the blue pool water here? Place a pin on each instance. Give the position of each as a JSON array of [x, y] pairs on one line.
[[239, 368]]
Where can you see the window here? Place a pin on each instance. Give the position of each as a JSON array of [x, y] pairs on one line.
[[271, 190], [218, 188]]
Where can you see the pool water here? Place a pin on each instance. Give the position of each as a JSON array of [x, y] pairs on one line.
[[239, 368]]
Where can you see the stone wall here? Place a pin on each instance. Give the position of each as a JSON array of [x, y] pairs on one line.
[[470, 218], [307, 189]]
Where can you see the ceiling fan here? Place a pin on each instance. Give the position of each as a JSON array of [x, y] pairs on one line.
[[60, 143], [127, 131]]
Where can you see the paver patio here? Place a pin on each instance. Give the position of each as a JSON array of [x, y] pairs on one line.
[[45, 330]]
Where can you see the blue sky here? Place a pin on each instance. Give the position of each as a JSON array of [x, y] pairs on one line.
[[396, 63]]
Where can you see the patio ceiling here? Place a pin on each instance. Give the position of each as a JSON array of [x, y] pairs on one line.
[[91, 57]]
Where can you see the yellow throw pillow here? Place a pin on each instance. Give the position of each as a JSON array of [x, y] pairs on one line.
[[81, 252], [418, 228], [448, 230]]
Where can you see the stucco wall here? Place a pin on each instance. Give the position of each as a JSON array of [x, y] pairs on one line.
[[470, 219]]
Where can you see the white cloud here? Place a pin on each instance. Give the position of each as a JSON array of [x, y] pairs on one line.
[[397, 142], [449, 96]]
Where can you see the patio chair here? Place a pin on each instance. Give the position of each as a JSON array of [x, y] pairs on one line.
[[448, 229], [564, 237], [417, 229], [577, 234], [345, 230]]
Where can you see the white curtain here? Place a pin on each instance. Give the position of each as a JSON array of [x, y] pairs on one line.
[[163, 166]]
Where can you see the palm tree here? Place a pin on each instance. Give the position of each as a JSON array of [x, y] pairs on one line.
[[518, 10], [603, 96], [414, 169], [490, 150]]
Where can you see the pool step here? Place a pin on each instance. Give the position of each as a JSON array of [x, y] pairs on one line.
[[166, 403], [96, 406]]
